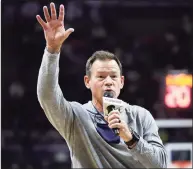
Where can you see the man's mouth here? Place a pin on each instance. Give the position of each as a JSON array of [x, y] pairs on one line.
[[108, 90]]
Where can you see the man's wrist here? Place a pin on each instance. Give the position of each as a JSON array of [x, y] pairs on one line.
[[53, 50], [134, 139]]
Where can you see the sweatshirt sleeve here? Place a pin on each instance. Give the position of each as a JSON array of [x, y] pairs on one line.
[[150, 150], [57, 109]]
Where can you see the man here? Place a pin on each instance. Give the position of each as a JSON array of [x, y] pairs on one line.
[[89, 135]]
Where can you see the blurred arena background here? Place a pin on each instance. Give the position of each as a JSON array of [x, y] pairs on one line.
[[154, 41]]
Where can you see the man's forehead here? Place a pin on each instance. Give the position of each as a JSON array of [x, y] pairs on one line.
[[111, 70], [105, 64]]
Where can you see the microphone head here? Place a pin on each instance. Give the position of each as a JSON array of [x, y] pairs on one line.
[[110, 108], [108, 94]]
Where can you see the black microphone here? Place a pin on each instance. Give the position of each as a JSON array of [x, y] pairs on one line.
[[111, 107], [108, 94]]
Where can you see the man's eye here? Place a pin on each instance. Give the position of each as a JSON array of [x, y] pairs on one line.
[[100, 77], [114, 76]]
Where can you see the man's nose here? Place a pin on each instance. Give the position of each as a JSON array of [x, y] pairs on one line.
[[108, 81]]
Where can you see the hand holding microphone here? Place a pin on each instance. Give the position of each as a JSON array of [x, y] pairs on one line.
[[113, 118], [111, 108]]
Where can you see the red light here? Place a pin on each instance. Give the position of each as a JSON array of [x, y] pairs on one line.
[[178, 96]]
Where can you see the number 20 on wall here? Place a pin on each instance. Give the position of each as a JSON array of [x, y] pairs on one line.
[[177, 96]]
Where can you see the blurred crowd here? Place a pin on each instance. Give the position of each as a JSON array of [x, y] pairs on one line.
[[148, 39]]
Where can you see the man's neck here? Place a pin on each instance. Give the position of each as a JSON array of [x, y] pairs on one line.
[[97, 105]]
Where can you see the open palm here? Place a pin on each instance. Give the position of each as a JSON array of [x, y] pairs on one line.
[[54, 31]]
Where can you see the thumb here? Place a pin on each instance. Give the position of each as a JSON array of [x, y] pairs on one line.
[[106, 118], [68, 32]]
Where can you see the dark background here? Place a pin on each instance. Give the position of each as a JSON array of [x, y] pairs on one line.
[[149, 37]]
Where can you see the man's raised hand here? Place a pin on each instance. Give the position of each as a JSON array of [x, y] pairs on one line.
[[54, 31]]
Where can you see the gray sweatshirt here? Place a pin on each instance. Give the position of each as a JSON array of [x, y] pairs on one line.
[[87, 148]]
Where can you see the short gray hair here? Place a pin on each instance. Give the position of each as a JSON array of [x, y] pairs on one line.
[[101, 55]]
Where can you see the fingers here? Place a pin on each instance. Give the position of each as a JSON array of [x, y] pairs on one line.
[[114, 112], [116, 125], [113, 116], [53, 11], [46, 14], [68, 32], [61, 13], [114, 121], [42, 23]]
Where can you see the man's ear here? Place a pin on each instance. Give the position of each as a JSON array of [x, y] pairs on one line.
[[122, 81], [86, 81]]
